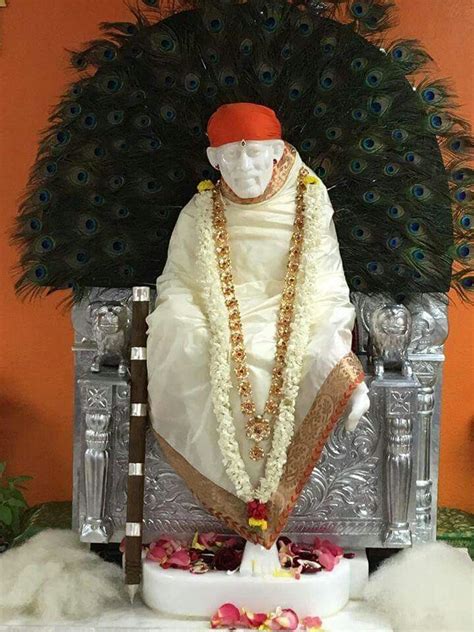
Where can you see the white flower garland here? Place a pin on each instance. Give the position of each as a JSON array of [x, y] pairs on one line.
[[220, 349]]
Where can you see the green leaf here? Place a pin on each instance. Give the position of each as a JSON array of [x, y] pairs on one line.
[[19, 479], [13, 493], [16, 502], [2, 467], [6, 515], [28, 533]]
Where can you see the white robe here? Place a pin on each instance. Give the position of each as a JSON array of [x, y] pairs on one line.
[[180, 403]]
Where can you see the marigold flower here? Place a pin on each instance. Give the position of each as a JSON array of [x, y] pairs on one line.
[[205, 185], [258, 522]]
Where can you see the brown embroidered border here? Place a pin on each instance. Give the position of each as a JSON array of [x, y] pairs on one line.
[[327, 408]]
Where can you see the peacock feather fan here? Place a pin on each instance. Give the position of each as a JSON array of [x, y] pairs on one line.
[[125, 146]]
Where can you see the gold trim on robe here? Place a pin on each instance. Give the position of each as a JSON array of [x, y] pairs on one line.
[[303, 454]]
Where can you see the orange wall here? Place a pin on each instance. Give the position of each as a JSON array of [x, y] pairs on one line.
[[36, 373]]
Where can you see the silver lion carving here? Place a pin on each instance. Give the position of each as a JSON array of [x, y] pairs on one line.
[[110, 329], [390, 334]]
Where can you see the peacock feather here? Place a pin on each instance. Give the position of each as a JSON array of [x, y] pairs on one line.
[[125, 146]]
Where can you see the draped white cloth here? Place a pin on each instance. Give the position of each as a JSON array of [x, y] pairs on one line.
[[179, 388]]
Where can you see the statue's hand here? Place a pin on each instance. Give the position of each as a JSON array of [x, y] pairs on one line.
[[358, 405]]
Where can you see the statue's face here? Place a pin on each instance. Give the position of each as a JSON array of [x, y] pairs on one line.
[[247, 166]]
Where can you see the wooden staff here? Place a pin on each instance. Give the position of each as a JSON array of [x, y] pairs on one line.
[[136, 442]]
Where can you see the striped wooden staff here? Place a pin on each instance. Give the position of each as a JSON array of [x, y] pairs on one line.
[[137, 438]]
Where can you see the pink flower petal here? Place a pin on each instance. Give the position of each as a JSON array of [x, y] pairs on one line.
[[252, 619], [226, 616], [181, 559], [156, 553], [312, 623], [283, 620], [208, 540], [332, 548], [327, 560]]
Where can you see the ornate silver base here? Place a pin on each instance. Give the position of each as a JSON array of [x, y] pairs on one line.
[[374, 487]]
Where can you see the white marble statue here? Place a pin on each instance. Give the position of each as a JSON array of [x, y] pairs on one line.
[[242, 434]]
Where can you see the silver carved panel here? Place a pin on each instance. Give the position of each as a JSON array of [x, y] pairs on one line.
[[347, 493]]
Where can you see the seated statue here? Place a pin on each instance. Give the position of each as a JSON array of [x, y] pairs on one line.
[[249, 345]]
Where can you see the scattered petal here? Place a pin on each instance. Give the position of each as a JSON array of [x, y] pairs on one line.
[[286, 619], [312, 623], [180, 559], [208, 540], [199, 567], [252, 619], [327, 560], [332, 548], [227, 616]]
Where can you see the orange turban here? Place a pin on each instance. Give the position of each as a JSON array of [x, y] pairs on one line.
[[242, 121]]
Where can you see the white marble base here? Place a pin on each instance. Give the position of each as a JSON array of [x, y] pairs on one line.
[[355, 617], [324, 593]]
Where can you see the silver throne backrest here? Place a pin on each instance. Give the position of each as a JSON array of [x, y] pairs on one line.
[[349, 495]]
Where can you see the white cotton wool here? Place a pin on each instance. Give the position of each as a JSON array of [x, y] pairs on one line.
[[54, 577], [428, 587]]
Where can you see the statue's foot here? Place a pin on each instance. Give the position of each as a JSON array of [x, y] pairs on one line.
[[358, 405], [258, 561]]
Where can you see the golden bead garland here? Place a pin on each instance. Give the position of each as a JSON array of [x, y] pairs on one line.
[[259, 427]]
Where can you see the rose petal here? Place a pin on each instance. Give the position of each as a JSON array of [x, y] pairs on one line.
[[252, 619], [296, 572], [208, 540], [312, 623], [333, 548], [283, 620], [156, 553], [327, 560], [181, 559], [226, 616], [309, 566]]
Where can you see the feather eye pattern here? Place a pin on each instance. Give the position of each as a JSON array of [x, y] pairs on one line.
[[126, 144]]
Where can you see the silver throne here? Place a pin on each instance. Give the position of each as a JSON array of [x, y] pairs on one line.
[[373, 487]]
